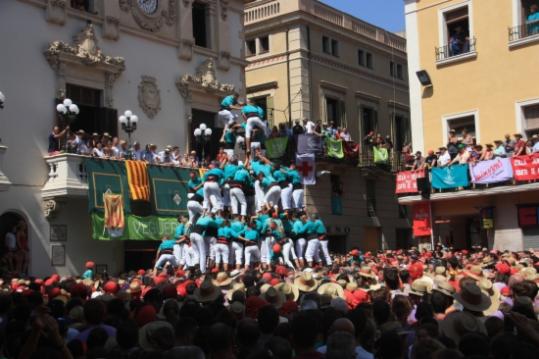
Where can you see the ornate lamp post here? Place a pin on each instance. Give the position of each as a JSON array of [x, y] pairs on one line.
[[129, 122], [202, 138], [67, 112]]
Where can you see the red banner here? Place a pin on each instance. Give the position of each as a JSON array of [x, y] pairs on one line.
[[421, 219], [407, 181], [526, 168]]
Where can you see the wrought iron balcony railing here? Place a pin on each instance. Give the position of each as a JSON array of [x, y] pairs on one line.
[[523, 31], [455, 49]]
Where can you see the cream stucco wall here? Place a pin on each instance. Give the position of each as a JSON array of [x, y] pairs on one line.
[[491, 84]]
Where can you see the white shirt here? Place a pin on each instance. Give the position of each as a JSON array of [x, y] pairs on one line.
[[535, 147], [310, 127], [444, 159], [346, 136]]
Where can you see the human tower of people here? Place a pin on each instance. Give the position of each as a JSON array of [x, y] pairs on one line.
[[245, 213]]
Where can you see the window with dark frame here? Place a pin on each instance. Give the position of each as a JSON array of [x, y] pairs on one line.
[[462, 124], [391, 69], [201, 24], [369, 60], [371, 197], [457, 26], [93, 116], [369, 120], [400, 73], [263, 42], [250, 47], [335, 48], [326, 45], [361, 57], [531, 119]]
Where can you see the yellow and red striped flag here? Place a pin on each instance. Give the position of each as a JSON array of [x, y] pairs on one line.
[[137, 179]]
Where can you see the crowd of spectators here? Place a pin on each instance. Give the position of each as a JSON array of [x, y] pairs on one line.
[[390, 304], [465, 149]]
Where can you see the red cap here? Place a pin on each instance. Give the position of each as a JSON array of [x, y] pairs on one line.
[[267, 276], [89, 265], [354, 252], [159, 280], [274, 281], [111, 287], [415, 270], [180, 273], [361, 296], [281, 270], [276, 248], [253, 305], [503, 268], [506, 291], [141, 272]]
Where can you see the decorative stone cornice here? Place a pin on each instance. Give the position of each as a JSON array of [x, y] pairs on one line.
[[224, 9], [85, 50], [204, 80], [149, 97], [48, 206], [167, 15]]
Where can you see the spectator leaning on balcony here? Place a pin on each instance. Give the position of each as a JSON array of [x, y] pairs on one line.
[[419, 161], [535, 144], [444, 158], [499, 151], [509, 144], [533, 20], [462, 157], [452, 143], [431, 160], [520, 145], [488, 152]]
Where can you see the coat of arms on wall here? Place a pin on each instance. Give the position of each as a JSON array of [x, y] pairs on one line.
[[149, 97]]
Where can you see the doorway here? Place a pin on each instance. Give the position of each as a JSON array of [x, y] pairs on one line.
[[372, 236], [207, 148], [15, 249]]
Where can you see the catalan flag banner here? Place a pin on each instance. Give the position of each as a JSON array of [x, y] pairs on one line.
[[137, 179], [114, 220], [106, 176]]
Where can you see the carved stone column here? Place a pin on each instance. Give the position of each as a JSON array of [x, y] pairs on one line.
[[187, 41], [56, 11]]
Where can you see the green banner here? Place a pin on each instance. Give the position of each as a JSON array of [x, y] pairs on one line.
[[334, 148], [276, 147], [137, 228], [168, 189], [103, 176], [380, 155]]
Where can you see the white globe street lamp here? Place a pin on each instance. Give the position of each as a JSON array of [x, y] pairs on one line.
[[202, 137], [67, 112], [128, 121]]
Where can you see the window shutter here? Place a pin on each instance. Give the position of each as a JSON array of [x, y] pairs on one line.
[[269, 111]]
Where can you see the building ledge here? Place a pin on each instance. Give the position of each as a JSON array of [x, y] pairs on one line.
[[458, 58], [67, 176], [471, 193], [523, 41], [5, 183]]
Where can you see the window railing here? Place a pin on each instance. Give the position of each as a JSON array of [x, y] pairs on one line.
[[524, 30], [453, 49]]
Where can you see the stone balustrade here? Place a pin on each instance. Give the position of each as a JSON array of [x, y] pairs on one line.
[[67, 176]]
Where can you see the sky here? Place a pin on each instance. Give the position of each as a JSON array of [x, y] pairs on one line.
[[388, 14]]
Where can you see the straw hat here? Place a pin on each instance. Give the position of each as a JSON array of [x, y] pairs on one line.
[[529, 273], [475, 272], [264, 288], [439, 270], [420, 287], [444, 287], [273, 297], [493, 293], [290, 291], [472, 298], [207, 292], [222, 280], [366, 272], [351, 286], [306, 282], [236, 287], [331, 289]]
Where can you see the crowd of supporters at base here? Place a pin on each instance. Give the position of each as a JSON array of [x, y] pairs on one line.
[[390, 304], [464, 149]]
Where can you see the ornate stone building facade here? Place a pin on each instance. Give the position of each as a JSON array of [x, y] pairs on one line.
[[168, 61]]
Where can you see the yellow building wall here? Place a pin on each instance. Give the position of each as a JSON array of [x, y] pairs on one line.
[[491, 83]]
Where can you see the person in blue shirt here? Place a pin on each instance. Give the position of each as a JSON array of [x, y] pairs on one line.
[[195, 196], [294, 178], [286, 187], [321, 232], [213, 179], [241, 180], [251, 115], [181, 240], [165, 253], [251, 237], [237, 229], [222, 245], [289, 252], [228, 104], [197, 239], [533, 20], [229, 170]]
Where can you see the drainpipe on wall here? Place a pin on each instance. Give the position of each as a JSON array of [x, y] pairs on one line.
[[288, 79]]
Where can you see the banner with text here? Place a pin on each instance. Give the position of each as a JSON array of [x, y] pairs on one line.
[[526, 168], [421, 219], [450, 177], [407, 181], [137, 228], [492, 171]]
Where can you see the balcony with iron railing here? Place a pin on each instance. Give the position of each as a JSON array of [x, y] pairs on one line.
[[524, 33], [456, 51], [266, 9]]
